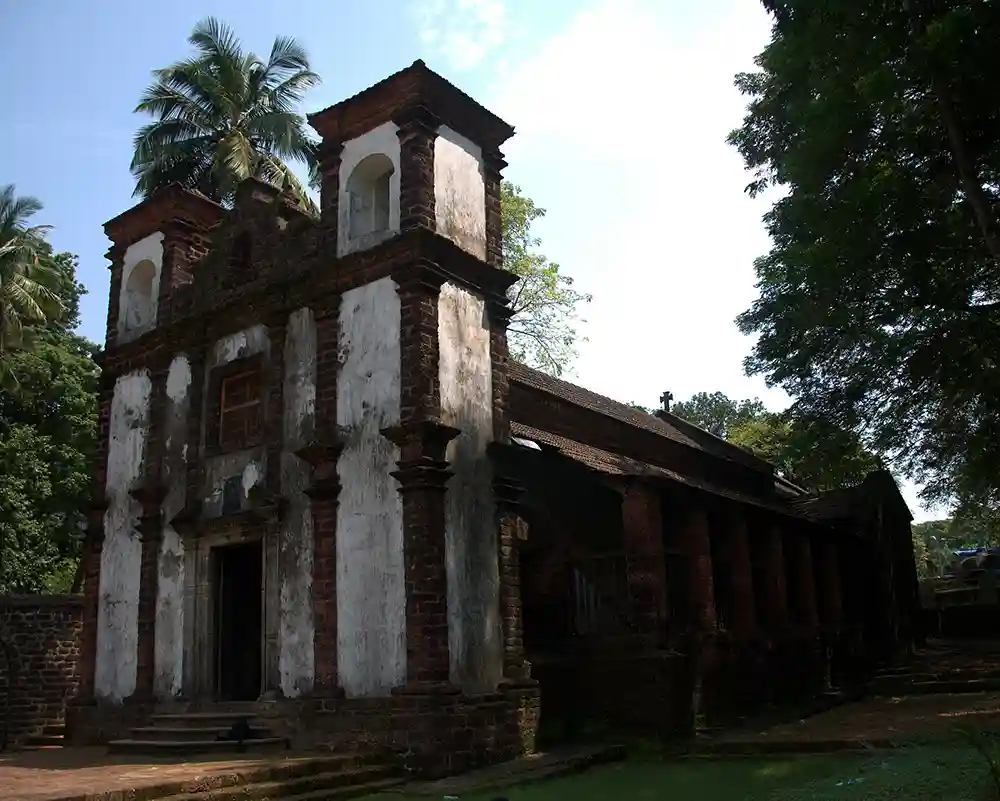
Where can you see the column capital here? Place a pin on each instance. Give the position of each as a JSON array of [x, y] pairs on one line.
[[421, 439]]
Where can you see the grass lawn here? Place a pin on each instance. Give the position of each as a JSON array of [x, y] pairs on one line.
[[941, 772]]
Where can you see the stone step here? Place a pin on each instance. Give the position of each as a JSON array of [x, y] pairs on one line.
[[44, 740], [55, 730], [195, 747], [202, 720], [940, 687], [190, 733], [315, 787]]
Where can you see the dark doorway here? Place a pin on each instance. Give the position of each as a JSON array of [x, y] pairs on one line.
[[238, 621]]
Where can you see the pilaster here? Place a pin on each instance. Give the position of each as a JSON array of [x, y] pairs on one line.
[[776, 590], [645, 560], [423, 475], [805, 576], [330, 154], [508, 493], [417, 132], [324, 493], [694, 540], [151, 498], [744, 612]]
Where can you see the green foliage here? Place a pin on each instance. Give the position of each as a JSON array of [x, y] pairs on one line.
[[47, 439], [986, 746], [816, 454], [879, 298], [29, 279], [224, 115], [717, 413], [935, 541], [545, 305]]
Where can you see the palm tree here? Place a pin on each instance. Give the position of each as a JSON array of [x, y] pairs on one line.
[[225, 115], [28, 276]]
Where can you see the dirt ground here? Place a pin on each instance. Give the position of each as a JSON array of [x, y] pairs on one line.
[[879, 719]]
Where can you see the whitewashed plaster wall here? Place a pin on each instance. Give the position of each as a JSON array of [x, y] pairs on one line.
[[384, 140], [169, 629], [137, 311], [295, 546], [471, 547], [460, 191], [371, 595], [121, 554]]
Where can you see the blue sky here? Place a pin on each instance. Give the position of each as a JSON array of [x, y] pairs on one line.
[[621, 107]]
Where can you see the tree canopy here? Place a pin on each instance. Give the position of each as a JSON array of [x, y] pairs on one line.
[[29, 278], [818, 455], [545, 305], [717, 413], [47, 436], [879, 299], [224, 115]]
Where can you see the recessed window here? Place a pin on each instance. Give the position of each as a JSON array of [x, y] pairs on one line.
[[368, 191], [139, 300], [240, 410]]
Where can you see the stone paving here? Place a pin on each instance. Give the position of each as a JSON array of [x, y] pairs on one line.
[[90, 774]]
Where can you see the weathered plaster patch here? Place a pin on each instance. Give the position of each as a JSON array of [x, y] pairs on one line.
[[138, 298], [460, 191], [465, 373], [296, 667], [383, 140], [169, 629], [121, 554], [242, 343], [371, 596]]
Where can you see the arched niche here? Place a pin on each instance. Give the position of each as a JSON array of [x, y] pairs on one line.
[[140, 301], [368, 189], [369, 192], [139, 290]]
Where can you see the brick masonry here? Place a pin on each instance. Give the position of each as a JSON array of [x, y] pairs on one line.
[[39, 661]]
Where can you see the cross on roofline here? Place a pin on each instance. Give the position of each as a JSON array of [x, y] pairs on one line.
[[665, 399]]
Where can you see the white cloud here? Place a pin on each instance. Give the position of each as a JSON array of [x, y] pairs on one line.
[[621, 121], [463, 32]]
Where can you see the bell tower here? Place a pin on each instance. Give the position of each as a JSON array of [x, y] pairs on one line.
[[411, 198], [410, 152]]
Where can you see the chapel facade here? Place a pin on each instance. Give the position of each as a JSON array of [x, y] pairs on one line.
[[327, 495]]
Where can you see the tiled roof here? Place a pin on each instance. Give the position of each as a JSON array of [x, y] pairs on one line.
[[672, 428], [613, 464]]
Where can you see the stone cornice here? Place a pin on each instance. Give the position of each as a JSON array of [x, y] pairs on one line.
[[418, 255]]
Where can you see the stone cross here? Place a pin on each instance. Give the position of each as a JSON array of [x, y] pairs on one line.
[[665, 399]]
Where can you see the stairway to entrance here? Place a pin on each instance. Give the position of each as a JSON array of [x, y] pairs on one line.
[[200, 734], [327, 779], [72, 774], [52, 736], [943, 667]]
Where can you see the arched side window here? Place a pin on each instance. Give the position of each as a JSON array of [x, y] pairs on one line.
[[368, 190], [139, 300]]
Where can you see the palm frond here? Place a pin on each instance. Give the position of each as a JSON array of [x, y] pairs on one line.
[[14, 210], [224, 115], [276, 172]]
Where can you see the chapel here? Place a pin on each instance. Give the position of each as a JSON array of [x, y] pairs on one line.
[[327, 499]]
